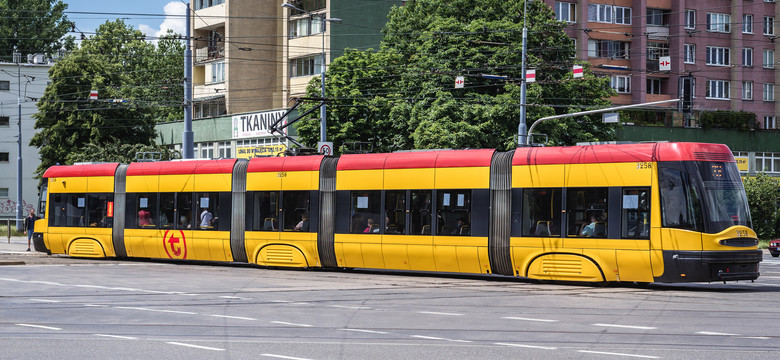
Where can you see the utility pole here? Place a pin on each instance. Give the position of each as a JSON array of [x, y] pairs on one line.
[[187, 138], [19, 216], [522, 132]]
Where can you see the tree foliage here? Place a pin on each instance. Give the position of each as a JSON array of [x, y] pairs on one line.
[[33, 26], [138, 84], [763, 194], [403, 97], [122, 153]]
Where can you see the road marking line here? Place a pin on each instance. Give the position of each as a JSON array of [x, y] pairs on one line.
[[715, 333], [428, 337], [283, 357], [528, 319], [618, 354], [756, 337], [529, 346], [364, 331], [627, 326], [95, 305], [352, 307], [40, 326], [439, 313], [45, 300], [117, 336], [156, 310], [235, 297], [194, 346], [291, 324], [233, 317]]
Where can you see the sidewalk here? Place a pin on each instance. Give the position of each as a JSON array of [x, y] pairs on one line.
[[17, 246]]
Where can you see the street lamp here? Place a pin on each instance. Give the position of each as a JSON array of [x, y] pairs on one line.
[[17, 58], [323, 109]]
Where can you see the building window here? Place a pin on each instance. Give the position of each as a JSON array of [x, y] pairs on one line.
[[3, 193], [747, 24], [600, 13], [690, 19], [622, 15], [306, 66], [657, 49], [608, 49], [5, 85], [5, 121], [747, 57], [718, 56], [218, 72], [565, 11], [202, 4], [717, 89], [306, 26], [208, 108], [653, 86], [718, 22], [769, 92], [206, 150], [4, 156], [769, 59], [621, 84], [689, 53], [770, 123], [747, 90], [768, 162], [657, 17], [769, 25], [306, 5], [224, 150]]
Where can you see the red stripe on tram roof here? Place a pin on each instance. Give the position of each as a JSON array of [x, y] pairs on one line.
[[621, 153], [186, 167], [106, 169], [291, 163]]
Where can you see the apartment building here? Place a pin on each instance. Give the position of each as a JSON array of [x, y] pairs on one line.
[[31, 77], [721, 51]]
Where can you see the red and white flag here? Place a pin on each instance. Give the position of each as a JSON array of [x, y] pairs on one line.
[[577, 71], [93, 95], [530, 76]]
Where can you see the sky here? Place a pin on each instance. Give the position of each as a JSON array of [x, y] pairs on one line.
[[152, 17]]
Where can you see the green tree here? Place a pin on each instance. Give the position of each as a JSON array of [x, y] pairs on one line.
[[402, 96], [33, 26], [129, 74], [122, 153], [763, 194]]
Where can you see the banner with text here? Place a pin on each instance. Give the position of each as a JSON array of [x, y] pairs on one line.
[[248, 152], [256, 124]]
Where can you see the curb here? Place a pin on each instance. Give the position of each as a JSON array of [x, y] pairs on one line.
[[11, 263]]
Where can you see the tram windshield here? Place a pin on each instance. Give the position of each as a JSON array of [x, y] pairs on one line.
[[723, 196], [703, 196], [42, 196]]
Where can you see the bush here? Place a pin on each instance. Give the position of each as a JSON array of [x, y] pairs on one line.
[[763, 196], [739, 120]]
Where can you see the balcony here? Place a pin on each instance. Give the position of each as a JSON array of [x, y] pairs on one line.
[[205, 54]]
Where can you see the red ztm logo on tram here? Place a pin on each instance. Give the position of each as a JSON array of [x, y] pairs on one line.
[[175, 244]]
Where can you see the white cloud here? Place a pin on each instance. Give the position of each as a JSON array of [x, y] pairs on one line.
[[174, 20]]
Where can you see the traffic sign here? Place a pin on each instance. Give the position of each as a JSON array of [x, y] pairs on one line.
[[325, 148], [664, 63], [459, 82]]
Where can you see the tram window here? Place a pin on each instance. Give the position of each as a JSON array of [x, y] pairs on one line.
[[184, 211], [365, 209], [266, 207], [57, 209], [296, 210], [453, 212], [420, 212], [680, 206], [395, 212], [541, 212], [207, 210], [100, 211], [146, 208], [586, 210], [167, 210], [635, 219]]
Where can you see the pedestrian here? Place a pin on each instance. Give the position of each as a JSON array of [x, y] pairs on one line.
[[29, 225]]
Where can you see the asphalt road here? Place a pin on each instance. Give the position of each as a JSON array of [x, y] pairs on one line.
[[54, 307]]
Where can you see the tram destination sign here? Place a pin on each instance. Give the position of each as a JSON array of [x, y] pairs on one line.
[[255, 124]]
